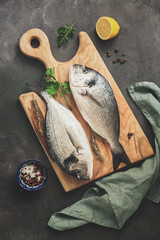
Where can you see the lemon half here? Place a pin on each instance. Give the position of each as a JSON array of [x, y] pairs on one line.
[[107, 28]]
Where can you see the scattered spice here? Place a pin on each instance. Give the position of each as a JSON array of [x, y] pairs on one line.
[[36, 110], [123, 55], [95, 148], [118, 59], [108, 53]]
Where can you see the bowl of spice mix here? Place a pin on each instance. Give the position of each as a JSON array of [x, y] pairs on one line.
[[32, 175]]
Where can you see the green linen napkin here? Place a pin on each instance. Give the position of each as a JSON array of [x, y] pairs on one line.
[[115, 198]]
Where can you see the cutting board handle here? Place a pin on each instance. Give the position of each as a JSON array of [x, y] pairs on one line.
[[42, 52]]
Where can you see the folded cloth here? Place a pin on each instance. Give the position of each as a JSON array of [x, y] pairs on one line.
[[115, 198]]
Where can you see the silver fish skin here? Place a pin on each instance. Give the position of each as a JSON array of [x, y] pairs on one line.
[[96, 102], [67, 141]]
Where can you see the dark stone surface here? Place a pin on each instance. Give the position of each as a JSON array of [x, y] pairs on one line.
[[24, 215]]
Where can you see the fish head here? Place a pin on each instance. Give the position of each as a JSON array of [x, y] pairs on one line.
[[81, 76], [79, 167], [80, 170]]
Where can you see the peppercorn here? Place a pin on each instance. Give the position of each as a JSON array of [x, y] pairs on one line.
[[108, 53], [130, 135], [116, 50], [118, 59], [114, 61]]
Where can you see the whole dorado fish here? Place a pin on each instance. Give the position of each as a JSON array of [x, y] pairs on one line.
[[96, 102], [67, 141]]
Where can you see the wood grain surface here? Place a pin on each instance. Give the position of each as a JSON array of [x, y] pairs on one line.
[[132, 137]]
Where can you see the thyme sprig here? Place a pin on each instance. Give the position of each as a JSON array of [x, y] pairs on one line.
[[64, 33]]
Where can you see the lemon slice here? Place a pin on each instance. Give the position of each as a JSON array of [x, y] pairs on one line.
[[107, 28]]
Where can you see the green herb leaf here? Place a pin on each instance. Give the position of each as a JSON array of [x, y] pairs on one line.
[[51, 89], [64, 33], [49, 80], [53, 85], [60, 84], [60, 37], [62, 30], [48, 71], [70, 33], [52, 72], [66, 87], [56, 86]]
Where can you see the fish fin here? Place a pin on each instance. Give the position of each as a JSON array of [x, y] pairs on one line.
[[97, 101], [120, 157], [85, 93]]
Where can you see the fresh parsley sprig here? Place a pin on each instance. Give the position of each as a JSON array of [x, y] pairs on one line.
[[53, 86], [64, 33]]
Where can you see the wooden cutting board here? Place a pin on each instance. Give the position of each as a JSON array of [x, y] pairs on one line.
[[131, 137]]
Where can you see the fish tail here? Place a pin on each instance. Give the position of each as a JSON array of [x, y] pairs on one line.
[[120, 157]]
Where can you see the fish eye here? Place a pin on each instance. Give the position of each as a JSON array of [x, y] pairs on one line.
[[78, 173], [84, 69]]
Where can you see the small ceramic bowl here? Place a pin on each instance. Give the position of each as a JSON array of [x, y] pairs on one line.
[[32, 175]]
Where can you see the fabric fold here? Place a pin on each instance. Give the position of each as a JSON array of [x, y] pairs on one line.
[[115, 198]]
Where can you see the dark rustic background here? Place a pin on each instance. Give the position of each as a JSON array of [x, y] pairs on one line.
[[24, 215]]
